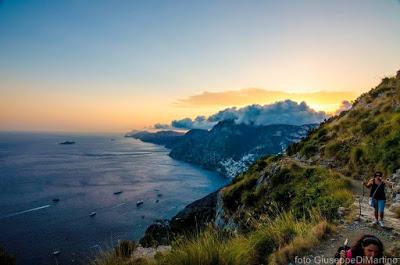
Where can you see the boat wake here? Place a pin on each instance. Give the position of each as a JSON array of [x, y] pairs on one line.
[[25, 211]]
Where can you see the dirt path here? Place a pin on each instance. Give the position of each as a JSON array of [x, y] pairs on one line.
[[355, 227]]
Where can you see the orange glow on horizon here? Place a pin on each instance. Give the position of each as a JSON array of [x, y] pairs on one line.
[[49, 110]]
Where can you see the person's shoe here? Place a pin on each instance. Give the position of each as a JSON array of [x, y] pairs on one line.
[[376, 222], [381, 223]]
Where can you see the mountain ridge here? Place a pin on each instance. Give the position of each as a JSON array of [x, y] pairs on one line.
[[228, 148]]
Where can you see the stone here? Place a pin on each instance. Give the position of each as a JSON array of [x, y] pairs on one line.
[[394, 206], [341, 211], [397, 198]]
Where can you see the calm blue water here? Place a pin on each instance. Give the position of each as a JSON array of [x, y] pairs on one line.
[[34, 169]]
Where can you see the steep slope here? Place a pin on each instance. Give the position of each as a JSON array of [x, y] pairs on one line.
[[356, 143], [361, 140]]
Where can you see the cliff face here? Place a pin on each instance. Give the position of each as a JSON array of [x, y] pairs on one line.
[[228, 147], [192, 218]]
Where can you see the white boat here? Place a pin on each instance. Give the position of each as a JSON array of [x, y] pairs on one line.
[[56, 252], [138, 203], [92, 214]]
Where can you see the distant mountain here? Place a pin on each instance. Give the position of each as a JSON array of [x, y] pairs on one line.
[[166, 138], [228, 147]]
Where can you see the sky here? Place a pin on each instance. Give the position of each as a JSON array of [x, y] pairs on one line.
[[114, 66]]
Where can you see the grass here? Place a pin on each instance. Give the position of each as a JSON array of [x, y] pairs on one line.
[[120, 255], [363, 139], [290, 185], [274, 241], [397, 212]]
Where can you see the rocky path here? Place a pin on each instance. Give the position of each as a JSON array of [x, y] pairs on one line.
[[355, 226]]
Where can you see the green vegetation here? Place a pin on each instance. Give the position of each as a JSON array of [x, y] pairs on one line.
[[294, 187], [275, 241], [120, 255], [363, 139]]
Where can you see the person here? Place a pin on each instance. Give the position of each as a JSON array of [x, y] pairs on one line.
[[367, 250], [377, 193]]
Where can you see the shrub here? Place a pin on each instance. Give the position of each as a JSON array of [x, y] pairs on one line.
[[125, 248], [210, 247], [333, 148], [309, 149], [356, 155], [368, 126], [232, 194]]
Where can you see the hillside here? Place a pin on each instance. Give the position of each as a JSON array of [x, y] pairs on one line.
[[361, 140], [285, 205], [354, 144]]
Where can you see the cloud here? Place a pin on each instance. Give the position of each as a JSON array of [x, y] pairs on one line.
[[282, 112], [327, 101], [200, 122], [345, 105], [161, 126], [228, 98]]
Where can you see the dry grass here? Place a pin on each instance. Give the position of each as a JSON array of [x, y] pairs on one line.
[[276, 241], [397, 212], [301, 244]]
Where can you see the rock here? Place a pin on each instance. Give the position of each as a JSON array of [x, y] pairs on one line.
[[192, 218], [141, 252], [394, 206], [157, 234], [341, 211]]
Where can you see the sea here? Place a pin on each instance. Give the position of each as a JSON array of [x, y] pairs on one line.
[[49, 190]]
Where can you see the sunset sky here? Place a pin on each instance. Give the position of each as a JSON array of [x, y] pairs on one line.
[[122, 65]]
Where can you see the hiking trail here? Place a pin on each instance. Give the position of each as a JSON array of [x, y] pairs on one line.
[[355, 226]]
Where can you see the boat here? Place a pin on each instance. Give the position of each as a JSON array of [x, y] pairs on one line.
[[92, 214], [138, 203], [118, 192], [67, 142], [56, 252], [56, 200]]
